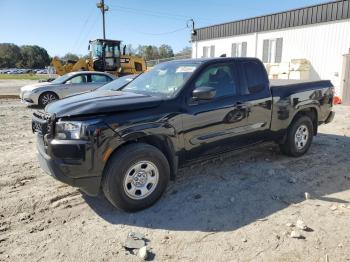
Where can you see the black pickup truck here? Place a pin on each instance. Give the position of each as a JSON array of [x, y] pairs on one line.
[[130, 142]]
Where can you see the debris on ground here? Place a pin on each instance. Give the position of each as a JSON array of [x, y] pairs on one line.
[[290, 225], [333, 207], [296, 234], [136, 244], [134, 241], [143, 254], [300, 224]]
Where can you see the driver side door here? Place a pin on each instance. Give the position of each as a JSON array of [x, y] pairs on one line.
[[74, 85], [215, 125]]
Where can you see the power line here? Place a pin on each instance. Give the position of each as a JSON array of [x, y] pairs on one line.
[[146, 14], [162, 14], [164, 33], [145, 11], [82, 30], [87, 34]]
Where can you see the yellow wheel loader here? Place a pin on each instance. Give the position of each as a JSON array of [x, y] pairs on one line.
[[105, 56]]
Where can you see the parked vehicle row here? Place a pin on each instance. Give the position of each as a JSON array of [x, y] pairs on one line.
[[23, 71], [129, 141]]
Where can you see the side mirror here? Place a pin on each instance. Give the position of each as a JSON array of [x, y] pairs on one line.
[[68, 82], [203, 93]]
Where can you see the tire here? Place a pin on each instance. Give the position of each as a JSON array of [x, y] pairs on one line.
[[298, 144], [46, 98], [135, 177]]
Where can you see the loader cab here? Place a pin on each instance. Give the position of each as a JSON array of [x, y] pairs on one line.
[[105, 54]]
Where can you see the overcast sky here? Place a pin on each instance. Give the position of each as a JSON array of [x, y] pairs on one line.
[[67, 25]]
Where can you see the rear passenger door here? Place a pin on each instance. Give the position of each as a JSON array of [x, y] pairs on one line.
[[98, 80], [255, 97]]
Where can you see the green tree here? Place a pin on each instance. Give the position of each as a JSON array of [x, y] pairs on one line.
[[129, 50], [34, 56], [186, 51], [70, 56], [165, 51], [10, 55]]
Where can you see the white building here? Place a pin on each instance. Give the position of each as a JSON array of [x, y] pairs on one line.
[[305, 43]]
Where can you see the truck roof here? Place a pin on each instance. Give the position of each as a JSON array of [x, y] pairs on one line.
[[215, 59]]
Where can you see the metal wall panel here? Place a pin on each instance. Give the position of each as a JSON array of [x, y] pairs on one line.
[[332, 11]]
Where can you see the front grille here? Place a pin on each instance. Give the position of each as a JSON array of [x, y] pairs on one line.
[[42, 123]]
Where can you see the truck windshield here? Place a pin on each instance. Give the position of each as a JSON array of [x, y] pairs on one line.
[[163, 80], [118, 83]]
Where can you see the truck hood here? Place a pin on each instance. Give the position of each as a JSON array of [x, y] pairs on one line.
[[100, 102]]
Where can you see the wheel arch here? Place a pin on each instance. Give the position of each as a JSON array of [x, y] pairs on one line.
[[311, 112], [161, 142], [45, 92]]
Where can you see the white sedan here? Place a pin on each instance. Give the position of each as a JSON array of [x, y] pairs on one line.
[[72, 83]]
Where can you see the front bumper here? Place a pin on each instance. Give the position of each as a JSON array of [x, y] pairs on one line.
[[70, 163], [28, 98]]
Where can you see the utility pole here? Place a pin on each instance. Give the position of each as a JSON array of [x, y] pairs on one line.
[[104, 8]]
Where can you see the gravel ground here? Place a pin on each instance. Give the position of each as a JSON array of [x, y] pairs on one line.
[[12, 87], [236, 208]]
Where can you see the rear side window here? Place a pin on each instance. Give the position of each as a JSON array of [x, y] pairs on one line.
[[99, 79], [253, 78], [221, 78]]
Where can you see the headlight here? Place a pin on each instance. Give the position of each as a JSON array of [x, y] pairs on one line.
[[68, 130]]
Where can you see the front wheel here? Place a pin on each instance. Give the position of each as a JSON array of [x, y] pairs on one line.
[[136, 177], [299, 137], [46, 98]]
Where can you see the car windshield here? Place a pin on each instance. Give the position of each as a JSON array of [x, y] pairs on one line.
[[61, 79], [118, 83], [163, 80]]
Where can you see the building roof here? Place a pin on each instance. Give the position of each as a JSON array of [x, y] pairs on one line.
[[321, 13]]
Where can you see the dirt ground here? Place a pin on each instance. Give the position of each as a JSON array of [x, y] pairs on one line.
[[235, 208]]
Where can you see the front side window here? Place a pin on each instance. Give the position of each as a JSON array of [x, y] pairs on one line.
[[78, 79], [219, 77], [163, 80], [99, 78]]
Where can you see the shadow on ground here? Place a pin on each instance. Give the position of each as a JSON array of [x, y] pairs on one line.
[[241, 187]]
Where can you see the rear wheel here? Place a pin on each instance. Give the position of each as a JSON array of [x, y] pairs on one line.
[[136, 177], [46, 98], [299, 137]]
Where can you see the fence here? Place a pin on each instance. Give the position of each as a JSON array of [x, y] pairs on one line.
[[151, 63]]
